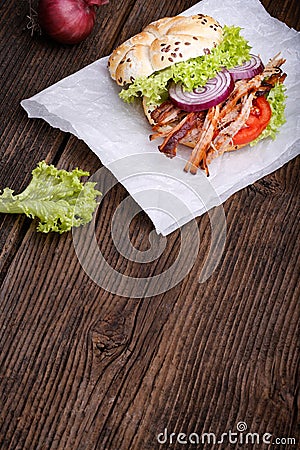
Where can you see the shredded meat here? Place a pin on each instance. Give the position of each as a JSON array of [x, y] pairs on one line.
[[198, 156], [224, 138], [166, 113], [179, 132], [268, 83]]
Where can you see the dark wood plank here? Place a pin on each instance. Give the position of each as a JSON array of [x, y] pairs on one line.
[[81, 368], [287, 11]]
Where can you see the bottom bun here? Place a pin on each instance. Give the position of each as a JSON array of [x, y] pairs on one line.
[[148, 110]]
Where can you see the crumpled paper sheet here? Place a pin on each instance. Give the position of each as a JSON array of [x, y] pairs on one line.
[[87, 105]]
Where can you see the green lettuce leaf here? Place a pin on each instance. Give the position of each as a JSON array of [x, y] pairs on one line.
[[232, 51], [276, 98], [55, 196]]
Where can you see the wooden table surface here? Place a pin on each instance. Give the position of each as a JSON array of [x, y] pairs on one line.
[[84, 368]]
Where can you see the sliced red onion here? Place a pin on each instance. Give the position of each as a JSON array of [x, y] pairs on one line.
[[215, 91], [249, 69]]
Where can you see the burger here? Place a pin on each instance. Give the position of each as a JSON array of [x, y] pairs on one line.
[[200, 86]]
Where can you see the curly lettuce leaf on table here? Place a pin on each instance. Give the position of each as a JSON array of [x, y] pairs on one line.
[[56, 197]]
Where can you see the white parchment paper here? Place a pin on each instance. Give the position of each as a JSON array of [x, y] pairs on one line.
[[86, 104]]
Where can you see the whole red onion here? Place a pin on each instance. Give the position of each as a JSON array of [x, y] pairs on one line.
[[68, 21]]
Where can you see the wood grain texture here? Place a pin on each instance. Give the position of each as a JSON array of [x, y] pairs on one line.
[[82, 368]]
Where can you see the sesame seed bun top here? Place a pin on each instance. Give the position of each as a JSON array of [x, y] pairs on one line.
[[163, 43]]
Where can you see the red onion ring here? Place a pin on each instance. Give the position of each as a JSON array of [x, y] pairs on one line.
[[249, 69], [215, 91]]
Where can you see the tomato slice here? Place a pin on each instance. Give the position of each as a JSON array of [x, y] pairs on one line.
[[258, 120]]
